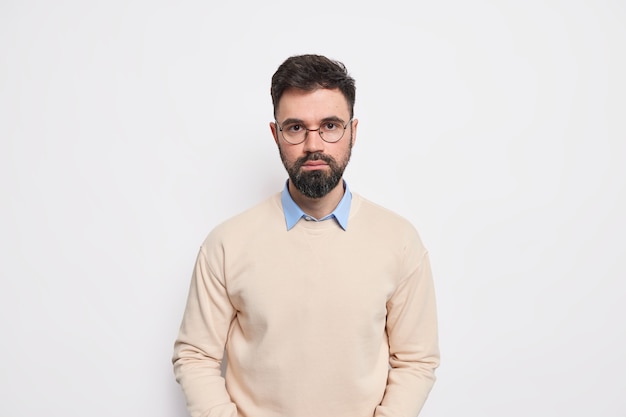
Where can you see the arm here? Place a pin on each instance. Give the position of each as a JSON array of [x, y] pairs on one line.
[[199, 348], [413, 340]]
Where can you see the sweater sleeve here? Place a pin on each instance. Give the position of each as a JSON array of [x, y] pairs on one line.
[[199, 348], [413, 339]]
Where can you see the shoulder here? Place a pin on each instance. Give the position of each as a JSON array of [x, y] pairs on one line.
[[377, 220], [370, 211], [266, 214]]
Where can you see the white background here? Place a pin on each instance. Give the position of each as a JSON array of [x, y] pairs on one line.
[[129, 129]]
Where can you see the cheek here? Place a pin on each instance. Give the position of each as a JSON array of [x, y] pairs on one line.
[[343, 153], [289, 154], [292, 150]]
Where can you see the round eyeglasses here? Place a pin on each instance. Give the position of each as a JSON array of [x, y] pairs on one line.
[[330, 131]]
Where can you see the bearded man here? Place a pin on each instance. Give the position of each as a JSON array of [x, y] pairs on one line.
[[320, 302]]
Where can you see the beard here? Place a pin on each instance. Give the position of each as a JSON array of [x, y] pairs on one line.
[[317, 183]]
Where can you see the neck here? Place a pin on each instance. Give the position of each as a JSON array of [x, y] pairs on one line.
[[317, 207]]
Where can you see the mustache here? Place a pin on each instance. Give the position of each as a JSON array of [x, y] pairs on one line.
[[317, 156]]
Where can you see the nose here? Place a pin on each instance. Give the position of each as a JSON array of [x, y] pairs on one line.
[[313, 141]]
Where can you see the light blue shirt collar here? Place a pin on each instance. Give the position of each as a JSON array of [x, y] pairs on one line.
[[293, 212]]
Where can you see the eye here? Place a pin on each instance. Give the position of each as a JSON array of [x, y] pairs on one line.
[[328, 126], [293, 128]]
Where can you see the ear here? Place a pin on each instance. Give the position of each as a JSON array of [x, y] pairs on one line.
[[274, 130], [355, 123]]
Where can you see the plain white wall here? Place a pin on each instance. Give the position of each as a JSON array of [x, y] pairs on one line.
[[128, 129]]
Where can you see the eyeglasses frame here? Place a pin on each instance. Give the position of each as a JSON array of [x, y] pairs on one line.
[[282, 134]]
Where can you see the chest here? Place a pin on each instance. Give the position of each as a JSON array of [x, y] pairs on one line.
[[313, 281]]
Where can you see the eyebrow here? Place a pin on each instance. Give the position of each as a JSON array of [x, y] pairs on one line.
[[325, 119]]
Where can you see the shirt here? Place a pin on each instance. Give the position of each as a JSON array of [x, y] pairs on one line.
[[293, 212]]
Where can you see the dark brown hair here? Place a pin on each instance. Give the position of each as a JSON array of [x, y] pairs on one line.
[[310, 72]]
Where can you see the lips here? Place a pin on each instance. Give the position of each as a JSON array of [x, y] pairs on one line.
[[314, 163]]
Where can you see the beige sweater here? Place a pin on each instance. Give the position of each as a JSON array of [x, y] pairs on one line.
[[316, 321]]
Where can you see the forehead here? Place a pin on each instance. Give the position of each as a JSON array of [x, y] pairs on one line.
[[312, 105]]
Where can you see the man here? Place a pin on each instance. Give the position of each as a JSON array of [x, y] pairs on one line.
[[322, 301]]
